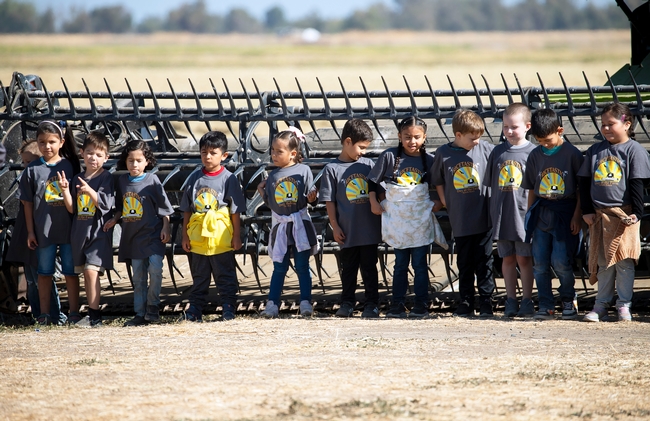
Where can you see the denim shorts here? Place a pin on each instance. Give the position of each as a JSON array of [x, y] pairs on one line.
[[47, 257]]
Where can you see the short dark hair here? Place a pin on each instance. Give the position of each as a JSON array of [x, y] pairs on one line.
[[357, 130], [97, 140], [214, 140], [136, 145], [544, 123]]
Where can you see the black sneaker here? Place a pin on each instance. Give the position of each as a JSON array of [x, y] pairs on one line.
[[418, 311], [228, 313], [464, 310], [397, 311], [370, 311], [345, 310], [191, 315], [136, 321], [153, 314], [485, 309]]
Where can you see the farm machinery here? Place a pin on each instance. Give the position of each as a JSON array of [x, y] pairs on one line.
[[172, 121]]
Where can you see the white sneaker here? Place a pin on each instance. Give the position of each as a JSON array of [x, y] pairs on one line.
[[595, 315], [306, 310], [624, 314], [271, 310]]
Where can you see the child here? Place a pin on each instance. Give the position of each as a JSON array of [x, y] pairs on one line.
[[90, 198], [553, 217], [287, 193], [344, 189], [48, 221], [611, 193], [211, 205], [457, 172], [20, 253], [144, 208], [406, 213], [508, 205]]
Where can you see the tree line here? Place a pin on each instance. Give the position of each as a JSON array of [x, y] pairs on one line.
[[419, 15]]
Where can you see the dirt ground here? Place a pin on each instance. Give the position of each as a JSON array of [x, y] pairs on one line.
[[442, 368]]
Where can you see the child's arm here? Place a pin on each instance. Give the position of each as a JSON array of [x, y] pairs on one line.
[[165, 233], [29, 221], [375, 207], [261, 191], [576, 220], [339, 235], [186, 238], [312, 196], [531, 198], [65, 190], [236, 233], [111, 222], [441, 195]]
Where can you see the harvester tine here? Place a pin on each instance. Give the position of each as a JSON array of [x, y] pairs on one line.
[[283, 102], [336, 131], [134, 102], [232, 131], [197, 168], [156, 106], [547, 101], [479, 101], [594, 105], [305, 106], [155, 169], [177, 103], [260, 171], [262, 99], [251, 110], [189, 129], [436, 108], [231, 100], [639, 103], [524, 99], [199, 107], [414, 106], [391, 103], [73, 110], [4, 98], [348, 106], [571, 109], [493, 102], [371, 109], [611, 84], [328, 109], [172, 173], [50, 104], [313, 127], [505, 85], [222, 113], [453, 91], [116, 111]]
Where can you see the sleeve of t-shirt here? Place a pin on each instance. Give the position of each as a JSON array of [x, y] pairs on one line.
[[187, 201], [487, 177], [585, 168], [530, 175], [379, 170], [327, 191], [105, 195], [309, 180], [163, 204], [26, 191], [437, 170], [639, 162], [237, 199]]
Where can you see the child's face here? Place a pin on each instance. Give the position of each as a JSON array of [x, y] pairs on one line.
[[280, 153], [412, 138], [354, 151], [49, 145], [94, 158], [211, 158], [515, 128], [467, 141], [136, 163], [614, 130], [28, 158], [552, 140]]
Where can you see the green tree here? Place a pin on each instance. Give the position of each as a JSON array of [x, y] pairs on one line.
[[376, 18], [17, 17], [150, 24], [416, 15], [193, 17], [274, 18], [239, 20], [114, 19], [78, 22], [46, 22]]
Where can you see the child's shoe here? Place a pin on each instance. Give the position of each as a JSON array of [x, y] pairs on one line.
[[485, 309], [512, 307], [370, 311], [153, 314], [595, 315], [544, 314], [136, 321], [228, 313], [74, 318], [527, 308], [306, 309], [418, 311], [624, 314], [569, 310], [345, 310], [271, 311], [44, 320], [464, 310], [88, 322], [191, 315], [396, 311]]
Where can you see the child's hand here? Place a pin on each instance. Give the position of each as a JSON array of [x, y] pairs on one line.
[[261, 186], [31, 241], [186, 243], [109, 224], [64, 184], [165, 234], [589, 218], [85, 188], [631, 220], [375, 207], [312, 195], [576, 224], [437, 205], [236, 242], [339, 235]]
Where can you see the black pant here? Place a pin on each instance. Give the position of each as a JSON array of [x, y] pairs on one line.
[[222, 267], [353, 258], [474, 257]]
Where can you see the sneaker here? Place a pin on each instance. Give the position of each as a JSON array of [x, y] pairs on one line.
[[512, 308], [595, 315], [345, 310], [464, 310], [88, 322], [44, 320], [191, 315], [527, 308], [544, 314], [396, 311], [306, 309], [624, 314], [418, 311], [136, 321], [153, 314], [271, 311], [370, 311], [485, 309], [228, 313], [569, 310], [74, 318]]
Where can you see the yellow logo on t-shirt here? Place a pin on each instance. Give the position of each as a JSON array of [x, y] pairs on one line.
[[409, 176], [356, 189], [466, 179], [85, 207], [552, 183], [206, 199], [286, 192], [53, 193], [131, 207], [608, 172], [510, 176]]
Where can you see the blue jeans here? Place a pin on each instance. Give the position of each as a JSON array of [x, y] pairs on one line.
[[31, 276], [47, 260], [152, 268], [418, 258], [301, 264], [547, 252]]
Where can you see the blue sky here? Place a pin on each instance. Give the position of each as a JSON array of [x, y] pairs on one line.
[[292, 8]]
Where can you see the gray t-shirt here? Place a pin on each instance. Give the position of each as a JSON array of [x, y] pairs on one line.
[[409, 172], [204, 192], [610, 167], [553, 177], [508, 200], [142, 205], [346, 184], [39, 185], [90, 244], [461, 173]]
